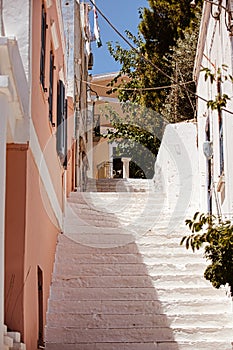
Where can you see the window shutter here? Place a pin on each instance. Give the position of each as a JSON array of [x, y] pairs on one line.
[[65, 134], [43, 46], [51, 87], [61, 122]]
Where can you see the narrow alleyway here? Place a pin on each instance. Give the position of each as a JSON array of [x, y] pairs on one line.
[[121, 280]]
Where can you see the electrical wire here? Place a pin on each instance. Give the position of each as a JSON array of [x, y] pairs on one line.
[[148, 60], [128, 42], [187, 92], [138, 89], [217, 4]]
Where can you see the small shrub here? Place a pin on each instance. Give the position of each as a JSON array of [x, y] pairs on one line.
[[216, 236]]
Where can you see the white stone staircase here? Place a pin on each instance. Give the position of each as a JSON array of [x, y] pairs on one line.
[[12, 340], [119, 185], [122, 281]]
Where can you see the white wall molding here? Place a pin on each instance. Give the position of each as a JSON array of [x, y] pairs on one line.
[[54, 36], [3, 128]]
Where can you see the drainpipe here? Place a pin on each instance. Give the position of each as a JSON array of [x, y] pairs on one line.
[[3, 123]]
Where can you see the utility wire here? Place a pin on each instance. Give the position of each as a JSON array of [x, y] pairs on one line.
[[148, 60], [186, 90], [128, 42], [136, 88], [217, 4]]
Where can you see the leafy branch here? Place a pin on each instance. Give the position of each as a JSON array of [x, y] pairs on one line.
[[219, 77], [216, 236]]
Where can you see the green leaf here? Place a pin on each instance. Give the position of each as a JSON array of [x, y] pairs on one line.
[[182, 240]]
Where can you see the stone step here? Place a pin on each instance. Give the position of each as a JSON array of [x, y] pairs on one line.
[[117, 202], [93, 226], [73, 335], [83, 227], [99, 198], [8, 341], [80, 221], [139, 218], [66, 244], [137, 321], [12, 340], [106, 241], [69, 246], [88, 213], [145, 243], [109, 258], [124, 307], [114, 198], [15, 336], [61, 292], [175, 254], [123, 212], [94, 236], [134, 282], [137, 269], [119, 205], [143, 346], [129, 185]]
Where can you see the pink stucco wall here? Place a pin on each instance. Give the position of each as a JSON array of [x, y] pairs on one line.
[[31, 225]]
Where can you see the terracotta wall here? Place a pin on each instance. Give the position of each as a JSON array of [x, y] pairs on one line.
[[40, 108], [31, 225], [40, 245], [31, 236], [16, 166]]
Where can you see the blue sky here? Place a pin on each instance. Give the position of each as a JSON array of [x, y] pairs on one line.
[[123, 14]]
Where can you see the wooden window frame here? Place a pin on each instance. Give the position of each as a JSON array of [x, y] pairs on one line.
[[44, 27], [51, 79], [61, 123]]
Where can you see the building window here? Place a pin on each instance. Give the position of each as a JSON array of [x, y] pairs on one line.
[[209, 169], [43, 46], [51, 68], [220, 124], [61, 123], [221, 151]]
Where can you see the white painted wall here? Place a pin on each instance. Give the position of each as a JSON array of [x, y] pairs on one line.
[[176, 169], [3, 128], [16, 18], [216, 50], [69, 13], [14, 127]]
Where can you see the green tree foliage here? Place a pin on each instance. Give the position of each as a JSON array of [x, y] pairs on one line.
[[216, 236], [162, 29], [180, 101], [218, 77], [137, 138], [164, 54]]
